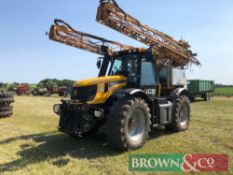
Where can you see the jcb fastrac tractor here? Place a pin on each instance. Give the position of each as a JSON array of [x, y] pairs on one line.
[[137, 89]]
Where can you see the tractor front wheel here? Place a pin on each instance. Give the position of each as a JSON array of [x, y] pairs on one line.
[[128, 123]]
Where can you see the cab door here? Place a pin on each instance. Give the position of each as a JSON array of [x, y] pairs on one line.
[[148, 77]]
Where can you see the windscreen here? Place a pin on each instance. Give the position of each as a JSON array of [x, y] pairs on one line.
[[116, 67]]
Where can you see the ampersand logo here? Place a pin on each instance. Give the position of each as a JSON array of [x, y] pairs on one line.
[[204, 162]]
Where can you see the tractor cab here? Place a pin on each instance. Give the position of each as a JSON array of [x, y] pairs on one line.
[[137, 66]]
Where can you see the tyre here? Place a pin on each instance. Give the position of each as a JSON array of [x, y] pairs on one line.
[[192, 99], [6, 101], [35, 92], [207, 96], [128, 123], [181, 115], [6, 94], [6, 114], [6, 108]]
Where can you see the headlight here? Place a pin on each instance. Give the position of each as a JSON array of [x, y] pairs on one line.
[[98, 113], [57, 109]]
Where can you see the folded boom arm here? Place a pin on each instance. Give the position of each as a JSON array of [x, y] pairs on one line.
[[62, 32]]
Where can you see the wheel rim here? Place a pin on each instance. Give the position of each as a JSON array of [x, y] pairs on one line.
[[184, 112], [136, 125]]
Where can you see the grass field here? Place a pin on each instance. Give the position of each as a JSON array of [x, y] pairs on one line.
[[224, 91], [30, 143]]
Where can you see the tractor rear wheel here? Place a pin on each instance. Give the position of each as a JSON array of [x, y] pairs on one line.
[[128, 123], [181, 115]]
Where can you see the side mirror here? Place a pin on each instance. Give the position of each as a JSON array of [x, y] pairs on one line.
[[99, 63]]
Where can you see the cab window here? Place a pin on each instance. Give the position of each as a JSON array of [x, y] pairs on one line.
[[132, 70], [116, 67], [147, 73]]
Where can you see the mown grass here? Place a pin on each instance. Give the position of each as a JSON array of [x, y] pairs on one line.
[[223, 91], [30, 143]]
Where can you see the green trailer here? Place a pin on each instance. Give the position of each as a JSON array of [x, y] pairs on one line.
[[200, 88]]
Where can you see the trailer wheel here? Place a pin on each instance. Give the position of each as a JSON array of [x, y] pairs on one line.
[[207, 96], [181, 115], [192, 99], [128, 123]]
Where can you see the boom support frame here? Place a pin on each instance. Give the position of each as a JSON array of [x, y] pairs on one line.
[[163, 46]]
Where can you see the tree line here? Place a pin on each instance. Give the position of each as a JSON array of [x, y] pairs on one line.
[[45, 83]]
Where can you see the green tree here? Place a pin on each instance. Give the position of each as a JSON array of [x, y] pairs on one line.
[[10, 87], [48, 83], [68, 83]]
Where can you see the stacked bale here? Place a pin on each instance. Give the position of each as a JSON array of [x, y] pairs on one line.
[[6, 100]]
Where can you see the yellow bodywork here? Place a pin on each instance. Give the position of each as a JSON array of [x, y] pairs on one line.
[[118, 82]]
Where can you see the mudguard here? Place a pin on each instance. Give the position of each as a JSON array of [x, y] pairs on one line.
[[121, 93], [180, 91]]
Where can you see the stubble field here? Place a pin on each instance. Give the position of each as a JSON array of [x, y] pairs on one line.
[[31, 144]]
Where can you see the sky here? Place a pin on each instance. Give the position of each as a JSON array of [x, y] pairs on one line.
[[27, 55]]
